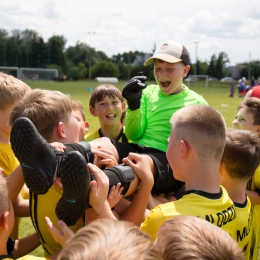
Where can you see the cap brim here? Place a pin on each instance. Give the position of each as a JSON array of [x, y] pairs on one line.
[[162, 56]]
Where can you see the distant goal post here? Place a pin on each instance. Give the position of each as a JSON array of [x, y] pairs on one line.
[[14, 71], [38, 74], [200, 76]]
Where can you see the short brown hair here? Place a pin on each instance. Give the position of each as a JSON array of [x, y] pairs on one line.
[[109, 239], [189, 237], [77, 105], [241, 154], [204, 127], [45, 108], [101, 91], [11, 90], [4, 195], [252, 106]]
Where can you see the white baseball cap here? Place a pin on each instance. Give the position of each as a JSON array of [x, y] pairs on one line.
[[171, 52]]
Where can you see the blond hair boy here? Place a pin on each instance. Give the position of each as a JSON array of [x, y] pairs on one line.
[[41, 115], [195, 149], [11, 91], [189, 237], [97, 240]]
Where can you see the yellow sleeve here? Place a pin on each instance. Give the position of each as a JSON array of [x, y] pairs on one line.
[[91, 136], [153, 222], [32, 257]]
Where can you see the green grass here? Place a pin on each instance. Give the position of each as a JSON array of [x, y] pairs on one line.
[[216, 95]]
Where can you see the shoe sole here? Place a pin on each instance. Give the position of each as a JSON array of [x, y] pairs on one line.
[[24, 142], [75, 180]]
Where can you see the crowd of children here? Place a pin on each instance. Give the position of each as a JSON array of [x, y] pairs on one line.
[[162, 178]]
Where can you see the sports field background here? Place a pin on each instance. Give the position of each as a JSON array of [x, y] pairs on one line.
[[216, 95]]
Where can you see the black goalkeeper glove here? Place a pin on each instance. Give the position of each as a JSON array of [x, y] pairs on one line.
[[132, 91]]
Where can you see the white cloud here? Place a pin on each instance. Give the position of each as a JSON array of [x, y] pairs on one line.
[[230, 26]]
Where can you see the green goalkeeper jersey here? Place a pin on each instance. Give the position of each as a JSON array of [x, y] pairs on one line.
[[150, 124]]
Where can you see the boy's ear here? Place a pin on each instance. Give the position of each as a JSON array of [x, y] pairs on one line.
[[92, 111], [123, 106], [258, 130], [86, 126], [4, 220], [60, 131], [184, 148], [186, 70]]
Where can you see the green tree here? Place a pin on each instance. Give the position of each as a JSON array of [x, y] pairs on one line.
[[221, 65], [105, 69], [55, 50], [78, 72], [212, 66]]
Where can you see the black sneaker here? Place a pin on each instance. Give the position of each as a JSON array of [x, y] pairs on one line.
[[75, 180], [36, 156]]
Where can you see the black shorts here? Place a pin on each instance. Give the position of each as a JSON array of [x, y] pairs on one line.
[[165, 181]]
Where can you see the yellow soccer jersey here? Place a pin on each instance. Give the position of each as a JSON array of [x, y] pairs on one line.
[[8, 162], [218, 209], [253, 248], [32, 257], [42, 206], [243, 224], [254, 184], [97, 133]]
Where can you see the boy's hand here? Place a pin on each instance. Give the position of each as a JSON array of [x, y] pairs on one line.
[[115, 195], [141, 165], [62, 234], [98, 188], [132, 91], [58, 146], [104, 157]]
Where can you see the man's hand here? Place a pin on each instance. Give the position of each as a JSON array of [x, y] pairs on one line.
[[132, 91]]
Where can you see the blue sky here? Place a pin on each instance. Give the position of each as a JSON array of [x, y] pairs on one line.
[[231, 26]]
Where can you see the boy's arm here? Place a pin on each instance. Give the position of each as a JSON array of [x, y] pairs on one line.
[[21, 207], [141, 165], [113, 198], [253, 196], [135, 117], [15, 183], [98, 193], [25, 245]]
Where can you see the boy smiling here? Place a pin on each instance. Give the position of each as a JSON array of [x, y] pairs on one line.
[[151, 107]]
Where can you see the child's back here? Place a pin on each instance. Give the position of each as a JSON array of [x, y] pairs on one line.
[[195, 149], [240, 159]]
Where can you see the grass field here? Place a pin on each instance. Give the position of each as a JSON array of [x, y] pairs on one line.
[[216, 95]]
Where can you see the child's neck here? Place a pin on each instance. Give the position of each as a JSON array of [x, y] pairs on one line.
[[206, 177], [4, 136], [112, 132], [3, 250], [236, 190]]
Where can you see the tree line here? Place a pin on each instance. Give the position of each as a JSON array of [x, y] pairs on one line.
[[28, 49]]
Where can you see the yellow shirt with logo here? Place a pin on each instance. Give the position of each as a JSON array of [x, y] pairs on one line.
[[42, 206], [218, 209]]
